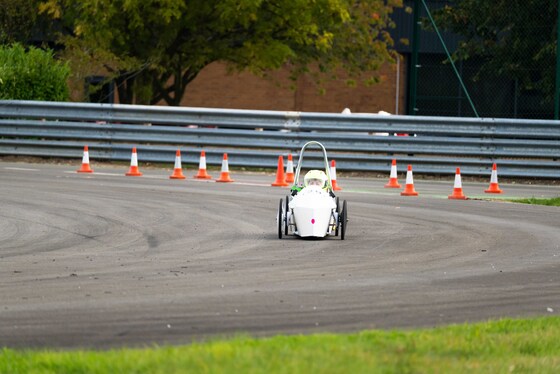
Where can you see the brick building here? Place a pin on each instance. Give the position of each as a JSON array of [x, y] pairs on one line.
[[215, 88]]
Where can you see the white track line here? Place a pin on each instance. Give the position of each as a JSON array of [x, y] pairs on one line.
[[165, 178], [21, 169]]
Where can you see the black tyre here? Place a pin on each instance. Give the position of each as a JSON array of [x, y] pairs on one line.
[[343, 220], [338, 212], [280, 218], [286, 210]]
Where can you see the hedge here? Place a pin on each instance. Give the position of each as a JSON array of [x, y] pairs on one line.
[[32, 74]]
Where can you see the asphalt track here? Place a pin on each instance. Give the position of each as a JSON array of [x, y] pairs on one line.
[[105, 260]]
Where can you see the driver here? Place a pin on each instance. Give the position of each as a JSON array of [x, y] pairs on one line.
[[315, 178]]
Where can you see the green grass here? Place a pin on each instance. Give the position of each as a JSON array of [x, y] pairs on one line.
[[555, 201], [504, 346]]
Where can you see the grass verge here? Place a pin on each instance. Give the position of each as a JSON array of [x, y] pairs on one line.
[[555, 201], [503, 346]]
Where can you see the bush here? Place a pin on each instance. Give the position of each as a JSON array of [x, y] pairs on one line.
[[32, 75]]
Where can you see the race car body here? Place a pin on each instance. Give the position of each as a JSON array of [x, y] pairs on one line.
[[312, 209]]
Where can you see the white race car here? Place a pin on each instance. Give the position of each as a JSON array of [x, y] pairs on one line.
[[312, 209]]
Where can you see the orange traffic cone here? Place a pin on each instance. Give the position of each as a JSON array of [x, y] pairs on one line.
[[280, 178], [332, 171], [409, 187], [494, 188], [393, 182], [457, 187], [224, 177], [178, 169], [290, 169], [85, 162], [202, 174], [133, 171]]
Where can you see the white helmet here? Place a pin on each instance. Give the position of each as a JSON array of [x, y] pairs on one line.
[[315, 178]]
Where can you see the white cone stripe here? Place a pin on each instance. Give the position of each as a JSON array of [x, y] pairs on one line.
[[290, 167], [333, 173], [134, 159], [409, 177], [202, 163], [177, 162], [225, 167], [457, 181], [393, 171], [85, 159], [494, 177]]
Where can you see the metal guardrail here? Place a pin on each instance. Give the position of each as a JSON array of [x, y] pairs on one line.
[[253, 138]]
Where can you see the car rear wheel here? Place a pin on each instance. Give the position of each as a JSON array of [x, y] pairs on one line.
[[343, 220], [280, 218], [338, 214], [286, 210]]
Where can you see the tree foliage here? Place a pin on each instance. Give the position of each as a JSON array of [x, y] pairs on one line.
[[155, 48], [17, 18], [515, 39], [32, 74]]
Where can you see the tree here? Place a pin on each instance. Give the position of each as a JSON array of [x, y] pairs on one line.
[[155, 48], [21, 23], [16, 20], [514, 39]]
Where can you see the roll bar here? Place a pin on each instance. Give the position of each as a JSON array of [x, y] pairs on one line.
[[300, 161]]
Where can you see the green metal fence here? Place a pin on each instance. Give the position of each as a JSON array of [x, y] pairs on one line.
[[496, 83]]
